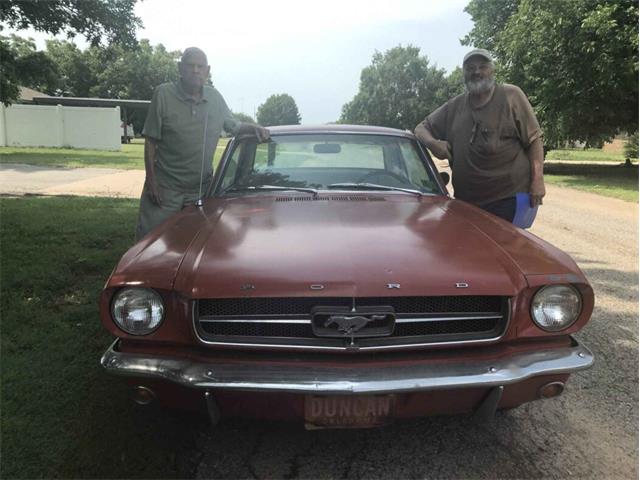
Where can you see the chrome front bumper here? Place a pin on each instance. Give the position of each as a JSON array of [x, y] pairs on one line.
[[334, 380]]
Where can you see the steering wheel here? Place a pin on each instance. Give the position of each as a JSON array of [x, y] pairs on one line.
[[383, 173]]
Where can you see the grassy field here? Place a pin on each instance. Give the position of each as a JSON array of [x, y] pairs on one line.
[[585, 155], [131, 157], [615, 181], [62, 416]]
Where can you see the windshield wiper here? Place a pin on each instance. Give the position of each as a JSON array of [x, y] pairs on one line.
[[373, 186], [270, 188]]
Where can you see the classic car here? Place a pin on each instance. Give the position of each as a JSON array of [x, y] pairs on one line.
[[328, 277]]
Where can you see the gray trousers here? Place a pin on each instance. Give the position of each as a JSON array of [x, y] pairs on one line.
[[151, 214]]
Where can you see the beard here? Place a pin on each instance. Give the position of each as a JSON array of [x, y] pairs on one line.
[[480, 86]]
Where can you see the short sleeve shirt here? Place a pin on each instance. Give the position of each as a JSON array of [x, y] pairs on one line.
[[187, 133], [489, 144]]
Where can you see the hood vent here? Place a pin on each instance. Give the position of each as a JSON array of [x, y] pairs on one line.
[[335, 198]]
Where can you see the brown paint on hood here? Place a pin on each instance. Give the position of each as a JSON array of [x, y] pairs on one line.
[[281, 246]]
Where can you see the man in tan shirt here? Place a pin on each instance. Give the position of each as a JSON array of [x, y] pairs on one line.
[[492, 139]]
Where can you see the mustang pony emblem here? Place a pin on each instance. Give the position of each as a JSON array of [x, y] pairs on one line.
[[349, 325]]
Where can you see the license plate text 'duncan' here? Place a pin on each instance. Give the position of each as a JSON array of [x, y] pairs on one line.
[[348, 411]]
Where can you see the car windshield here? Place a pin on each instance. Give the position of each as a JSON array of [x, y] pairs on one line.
[[312, 162]]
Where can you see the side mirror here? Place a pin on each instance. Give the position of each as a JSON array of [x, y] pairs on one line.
[[445, 177]]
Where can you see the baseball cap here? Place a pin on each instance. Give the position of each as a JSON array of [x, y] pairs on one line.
[[480, 52]]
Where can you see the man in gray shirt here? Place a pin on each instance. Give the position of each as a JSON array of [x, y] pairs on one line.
[[182, 129], [492, 139]]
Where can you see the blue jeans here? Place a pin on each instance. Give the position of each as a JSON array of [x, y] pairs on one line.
[[504, 208]]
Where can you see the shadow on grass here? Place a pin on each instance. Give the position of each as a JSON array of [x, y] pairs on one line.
[[62, 415]]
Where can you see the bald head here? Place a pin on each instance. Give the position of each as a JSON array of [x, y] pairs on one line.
[[194, 70], [188, 52]]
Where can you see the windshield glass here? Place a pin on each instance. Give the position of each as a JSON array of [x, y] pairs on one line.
[[328, 161]]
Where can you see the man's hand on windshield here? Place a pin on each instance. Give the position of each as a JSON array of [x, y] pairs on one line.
[[441, 149], [261, 133]]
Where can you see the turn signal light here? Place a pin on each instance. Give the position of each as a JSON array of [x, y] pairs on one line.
[[550, 390], [143, 395]]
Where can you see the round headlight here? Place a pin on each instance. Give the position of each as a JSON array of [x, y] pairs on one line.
[[556, 307], [138, 311]]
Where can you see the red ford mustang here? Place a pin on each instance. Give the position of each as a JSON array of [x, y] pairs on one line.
[[328, 277]]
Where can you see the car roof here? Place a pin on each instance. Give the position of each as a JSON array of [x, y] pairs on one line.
[[338, 128]]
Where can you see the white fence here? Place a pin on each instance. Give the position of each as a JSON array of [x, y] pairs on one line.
[[58, 126]]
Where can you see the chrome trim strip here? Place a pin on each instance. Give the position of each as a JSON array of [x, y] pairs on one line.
[[254, 321], [444, 319], [291, 377], [259, 319], [256, 317]]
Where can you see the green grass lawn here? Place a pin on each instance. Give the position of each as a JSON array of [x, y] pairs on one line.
[[610, 180], [585, 155], [131, 156], [62, 415]]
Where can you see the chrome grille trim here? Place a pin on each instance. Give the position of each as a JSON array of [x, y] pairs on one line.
[[254, 320], [442, 319], [258, 319], [307, 341]]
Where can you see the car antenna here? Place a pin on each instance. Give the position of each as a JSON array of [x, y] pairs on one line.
[[200, 202]]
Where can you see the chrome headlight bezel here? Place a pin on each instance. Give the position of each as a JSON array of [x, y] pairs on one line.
[[146, 298], [570, 292]]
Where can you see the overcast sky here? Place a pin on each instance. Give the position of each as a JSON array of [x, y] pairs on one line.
[[314, 51]]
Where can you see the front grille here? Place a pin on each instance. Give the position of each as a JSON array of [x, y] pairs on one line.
[[287, 322]]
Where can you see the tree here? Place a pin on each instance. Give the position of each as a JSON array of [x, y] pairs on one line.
[[489, 19], [77, 69], [397, 90], [631, 147], [577, 60], [133, 73], [243, 117], [23, 65], [116, 71], [97, 20], [455, 83], [278, 110]]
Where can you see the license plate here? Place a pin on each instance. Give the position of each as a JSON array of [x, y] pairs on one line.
[[348, 411]]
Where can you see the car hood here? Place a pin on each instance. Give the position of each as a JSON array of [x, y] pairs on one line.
[[338, 245]]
